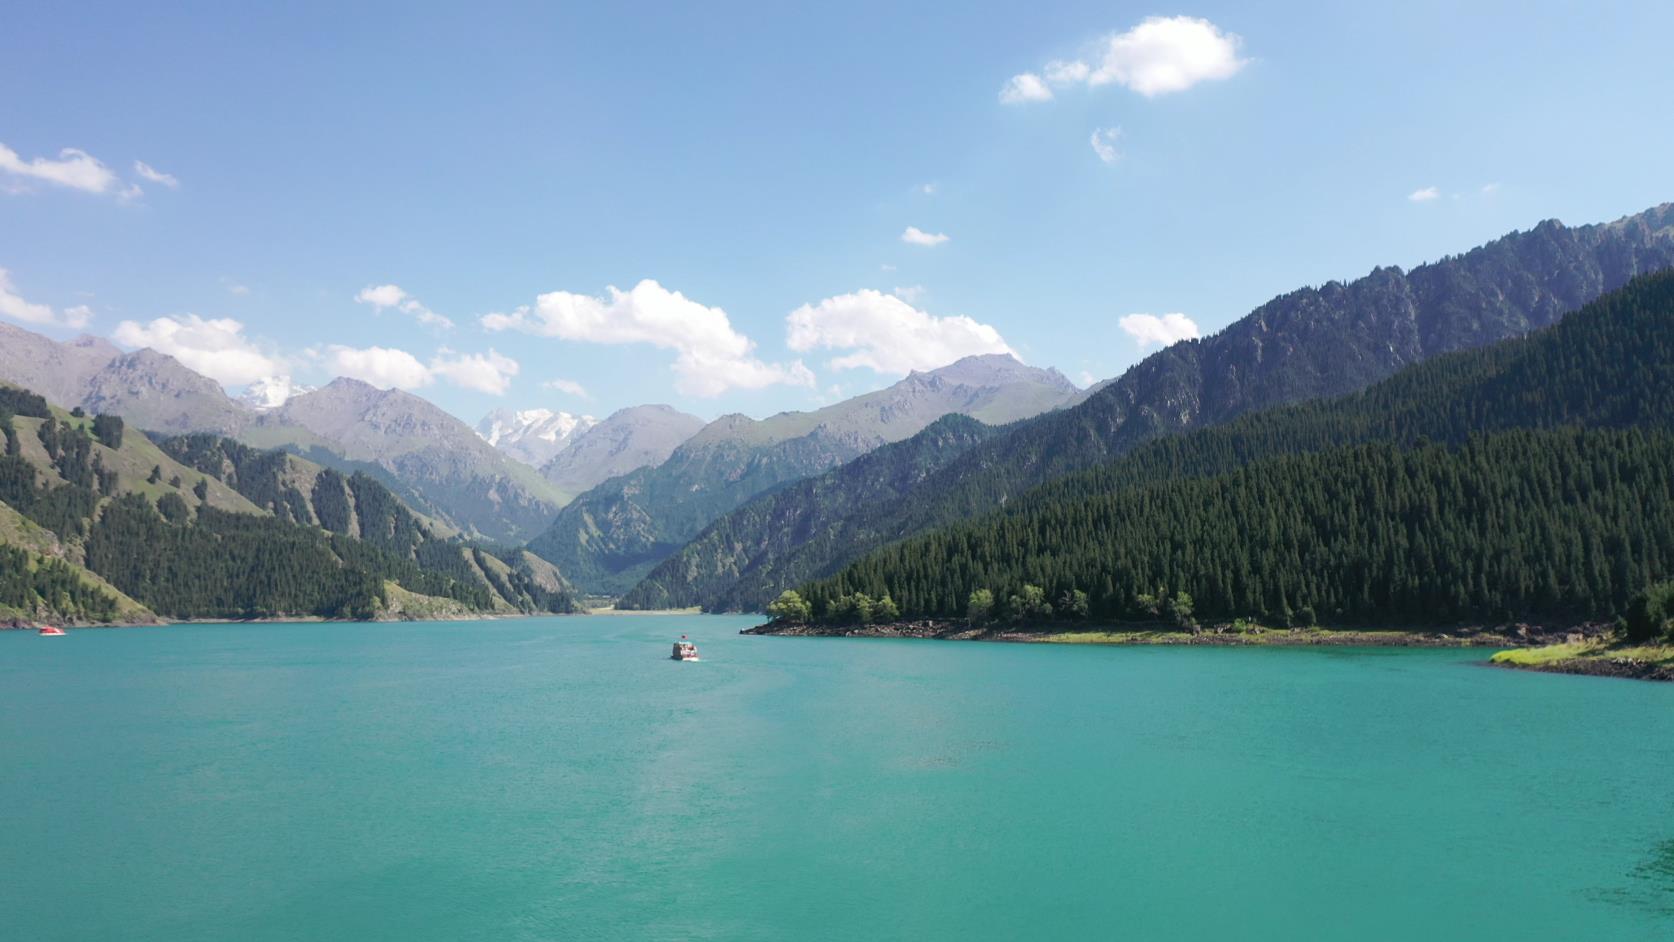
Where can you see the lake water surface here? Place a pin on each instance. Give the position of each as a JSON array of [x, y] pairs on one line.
[[560, 778]]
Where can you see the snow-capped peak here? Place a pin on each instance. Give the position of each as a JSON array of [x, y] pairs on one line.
[[271, 392], [532, 436]]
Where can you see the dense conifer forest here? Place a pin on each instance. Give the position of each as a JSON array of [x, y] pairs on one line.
[[1419, 499]]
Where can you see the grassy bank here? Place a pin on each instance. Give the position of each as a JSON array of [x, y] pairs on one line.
[[1596, 657]]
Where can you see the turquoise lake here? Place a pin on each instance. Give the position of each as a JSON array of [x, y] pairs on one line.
[[560, 778]]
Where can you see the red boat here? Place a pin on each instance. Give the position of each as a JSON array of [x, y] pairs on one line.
[[51, 632], [684, 650]]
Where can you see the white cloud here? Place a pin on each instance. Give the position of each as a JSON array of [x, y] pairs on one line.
[[1059, 72], [569, 386], [1424, 195], [392, 368], [13, 305], [384, 367], [1025, 87], [215, 347], [911, 294], [382, 297], [928, 189], [235, 288], [1489, 189], [1104, 144], [886, 267], [483, 372], [74, 168], [887, 334], [156, 176], [1162, 54], [710, 356], [916, 236], [1086, 378], [1147, 329]]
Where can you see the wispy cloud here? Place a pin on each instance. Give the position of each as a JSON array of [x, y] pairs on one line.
[[1024, 87], [916, 236], [13, 306], [1148, 329], [568, 386], [76, 169], [156, 176], [384, 297], [1104, 144], [1424, 194]]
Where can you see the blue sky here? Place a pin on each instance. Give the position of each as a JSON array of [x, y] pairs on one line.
[[758, 164]]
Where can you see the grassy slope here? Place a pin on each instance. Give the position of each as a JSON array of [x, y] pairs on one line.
[[133, 463]]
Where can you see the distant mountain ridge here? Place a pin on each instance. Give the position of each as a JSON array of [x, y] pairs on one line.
[[609, 537], [436, 462], [1307, 344], [433, 460], [626, 440]]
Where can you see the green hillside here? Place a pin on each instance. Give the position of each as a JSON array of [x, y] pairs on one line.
[[100, 523], [1458, 489]]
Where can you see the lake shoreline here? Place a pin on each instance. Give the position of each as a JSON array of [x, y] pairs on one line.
[[1157, 634], [1593, 655]]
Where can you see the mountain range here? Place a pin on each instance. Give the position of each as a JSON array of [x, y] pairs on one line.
[[1310, 343], [1530, 480], [101, 523], [609, 537]]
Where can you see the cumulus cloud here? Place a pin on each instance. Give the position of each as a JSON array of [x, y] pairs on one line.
[[908, 293], [916, 236], [215, 347], [1104, 144], [1147, 329], [1424, 195], [76, 169], [887, 334], [14, 306], [156, 176], [383, 367], [710, 356], [569, 386], [393, 368], [384, 297], [1162, 54], [483, 372], [1024, 88]]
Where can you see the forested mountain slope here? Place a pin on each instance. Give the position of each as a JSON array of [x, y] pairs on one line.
[[206, 527], [766, 528], [612, 535], [1307, 344], [1459, 489]]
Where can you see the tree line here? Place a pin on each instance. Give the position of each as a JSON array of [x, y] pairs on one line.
[[1564, 524]]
